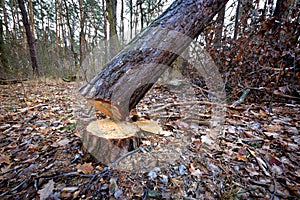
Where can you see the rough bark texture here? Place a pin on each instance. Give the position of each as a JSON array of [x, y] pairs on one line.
[[29, 36], [127, 78], [4, 68]]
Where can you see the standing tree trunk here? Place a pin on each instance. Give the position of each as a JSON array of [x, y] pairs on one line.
[[72, 35], [14, 14], [57, 27], [131, 18], [219, 29], [111, 7], [105, 38], [139, 4], [30, 39], [122, 24], [5, 68], [237, 19], [31, 17], [127, 78], [82, 33], [5, 19]]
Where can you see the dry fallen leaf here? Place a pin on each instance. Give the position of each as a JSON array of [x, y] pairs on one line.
[[63, 142], [263, 166], [86, 168], [4, 159], [47, 190]]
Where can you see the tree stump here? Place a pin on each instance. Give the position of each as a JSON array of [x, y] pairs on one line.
[[107, 140]]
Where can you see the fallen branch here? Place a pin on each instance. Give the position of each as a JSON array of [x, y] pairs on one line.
[[193, 103], [272, 91], [123, 156], [241, 99], [11, 81], [24, 110], [95, 178]]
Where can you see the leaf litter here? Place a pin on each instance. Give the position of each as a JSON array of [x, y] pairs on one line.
[[42, 155]]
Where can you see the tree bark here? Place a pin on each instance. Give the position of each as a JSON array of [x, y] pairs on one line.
[[5, 19], [82, 33], [126, 79], [219, 29], [131, 18], [31, 17], [237, 19], [4, 68], [72, 35], [111, 7], [30, 39]]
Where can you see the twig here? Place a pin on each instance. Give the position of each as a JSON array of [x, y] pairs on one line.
[[187, 103], [15, 188], [275, 189], [11, 81], [23, 110], [65, 175], [123, 156], [272, 91], [241, 99], [97, 175]]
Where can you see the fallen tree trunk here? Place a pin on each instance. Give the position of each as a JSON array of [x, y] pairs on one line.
[[126, 79]]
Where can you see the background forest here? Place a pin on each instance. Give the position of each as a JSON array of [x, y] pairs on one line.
[[49, 47], [254, 43]]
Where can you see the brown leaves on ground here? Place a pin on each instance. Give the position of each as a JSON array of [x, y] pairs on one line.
[[41, 155]]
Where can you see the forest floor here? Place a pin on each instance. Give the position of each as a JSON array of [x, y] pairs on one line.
[[42, 156]]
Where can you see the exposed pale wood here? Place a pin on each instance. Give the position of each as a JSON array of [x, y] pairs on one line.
[[149, 126], [108, 140], [108, 109]]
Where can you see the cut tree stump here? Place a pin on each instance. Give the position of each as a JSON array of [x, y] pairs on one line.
[[107, 140]]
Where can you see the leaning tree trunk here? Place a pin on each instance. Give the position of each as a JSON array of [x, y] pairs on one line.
[[126, 79]]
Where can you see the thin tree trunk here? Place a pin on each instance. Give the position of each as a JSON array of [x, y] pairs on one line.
[[281, 12], [31, 17], [82, 33], [3, 55], [127, 78], [30, 39], [25, 43], [43, 23], [219, 29], [14, 16], [237, 19], [71, 38], [122, 23], [105, 39], [5, 20], [56, 26], [111, 6], [131, 18], [140, 5]]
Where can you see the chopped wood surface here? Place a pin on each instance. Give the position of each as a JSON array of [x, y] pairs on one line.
[[107, 140]]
